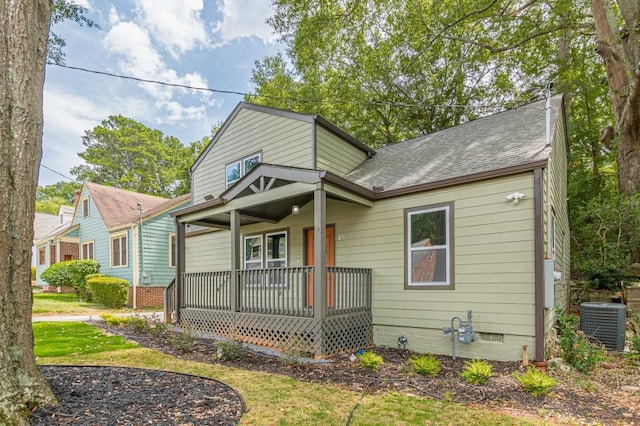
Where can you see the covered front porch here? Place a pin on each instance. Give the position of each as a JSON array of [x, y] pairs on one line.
[[320, 307]]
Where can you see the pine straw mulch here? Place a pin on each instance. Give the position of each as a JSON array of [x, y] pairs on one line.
[[593, 399]]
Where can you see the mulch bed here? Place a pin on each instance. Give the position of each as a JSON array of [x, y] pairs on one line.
[[588, 405]]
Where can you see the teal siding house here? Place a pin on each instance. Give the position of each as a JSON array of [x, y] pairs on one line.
[[131, 235]]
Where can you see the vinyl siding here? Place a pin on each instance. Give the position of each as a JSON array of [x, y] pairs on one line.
[[336, 155], [154, 251], [281, 140], [493, 264], [555, 196]]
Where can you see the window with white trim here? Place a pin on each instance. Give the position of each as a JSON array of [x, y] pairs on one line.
[[273, 257], [119, 251], [277, 258], [234, 171], [428, 236], [85, 207], [87, 250], [42, 256]]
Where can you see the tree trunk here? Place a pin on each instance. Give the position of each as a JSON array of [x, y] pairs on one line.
[[24, 27], [618, 35]]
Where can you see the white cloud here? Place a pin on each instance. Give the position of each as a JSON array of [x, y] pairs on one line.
[[176, 25], [245, 18], [114, 17], [84, 3]]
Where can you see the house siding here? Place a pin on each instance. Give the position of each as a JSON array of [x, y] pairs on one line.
[[281, 140], [493, 259], [336, 155], [555, 204]]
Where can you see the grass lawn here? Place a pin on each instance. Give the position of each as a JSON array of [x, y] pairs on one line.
[[57, 303], [272, 399]]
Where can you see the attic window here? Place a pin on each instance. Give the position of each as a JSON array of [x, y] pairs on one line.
[[234, 171], [85, 207]]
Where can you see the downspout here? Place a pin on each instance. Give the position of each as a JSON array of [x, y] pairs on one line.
[[539, 263], [136, 274]]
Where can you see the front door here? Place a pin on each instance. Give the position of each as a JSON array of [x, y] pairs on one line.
[[330, 243]]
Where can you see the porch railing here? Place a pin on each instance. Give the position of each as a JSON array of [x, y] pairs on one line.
[[169, 302], [278, 291]]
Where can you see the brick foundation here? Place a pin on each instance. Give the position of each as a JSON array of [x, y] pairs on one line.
[[147, 297]]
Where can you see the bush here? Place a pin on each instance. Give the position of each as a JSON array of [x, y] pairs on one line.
[[33, 273], [71, 273], [535, 381], [183, 341], [370, 360], [477, 372], [573, 346], [425, 365], [113, 320], [229, 350], [109, 291]]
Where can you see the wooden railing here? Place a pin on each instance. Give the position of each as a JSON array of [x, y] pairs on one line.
[[278, 291], [206, 290]]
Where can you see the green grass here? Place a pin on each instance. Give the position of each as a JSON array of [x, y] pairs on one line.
[[272, 399], [57, 303], [54, 339]]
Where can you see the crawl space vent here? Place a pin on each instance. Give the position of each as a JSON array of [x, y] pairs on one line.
[[604, 323]]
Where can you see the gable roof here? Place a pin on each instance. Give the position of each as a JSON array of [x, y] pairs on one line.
[[43, 224], [120, 207], [507, 141], [313, 119]]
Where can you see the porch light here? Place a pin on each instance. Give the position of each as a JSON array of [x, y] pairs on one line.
[[295, 209]]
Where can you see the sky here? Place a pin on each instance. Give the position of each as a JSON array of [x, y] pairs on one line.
[[201, 43]]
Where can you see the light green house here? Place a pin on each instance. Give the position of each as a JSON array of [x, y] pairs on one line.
[[401, 239]]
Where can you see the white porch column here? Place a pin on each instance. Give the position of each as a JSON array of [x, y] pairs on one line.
[[234, 227], [320, 253]]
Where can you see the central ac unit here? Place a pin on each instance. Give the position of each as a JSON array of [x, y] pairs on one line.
[[604, 323]]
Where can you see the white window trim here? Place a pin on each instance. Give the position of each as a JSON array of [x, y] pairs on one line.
[[172, 259], [242, 163], [448, 283], [111, 258], [285, 258], [88, 212], [93, 250]]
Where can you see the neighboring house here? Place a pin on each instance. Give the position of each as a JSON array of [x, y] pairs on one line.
[[131, 235], [44, 224], [403, 239]]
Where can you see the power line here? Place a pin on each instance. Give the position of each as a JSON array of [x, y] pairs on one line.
[[58, 173], [282, 98]]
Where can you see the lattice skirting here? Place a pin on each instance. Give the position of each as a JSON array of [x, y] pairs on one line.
[[289, 334]]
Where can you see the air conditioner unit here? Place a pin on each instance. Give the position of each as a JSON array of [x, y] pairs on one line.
[[604, 323]]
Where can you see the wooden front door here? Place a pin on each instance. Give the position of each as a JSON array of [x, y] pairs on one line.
[[331, 261]]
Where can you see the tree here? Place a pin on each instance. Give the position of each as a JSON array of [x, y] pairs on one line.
[[126, 154], [23, 31], [49, 198]]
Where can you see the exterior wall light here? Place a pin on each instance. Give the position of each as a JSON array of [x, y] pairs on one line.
[[295, 209], [515, 197]]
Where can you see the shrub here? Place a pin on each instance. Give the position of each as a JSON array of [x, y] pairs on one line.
[[425, 365], [33, 273], [535, 381], [113, 320], [573, 346], [71, 273], [370, 360], [109, 291], [229, 350], [477, 372], [183, 341]]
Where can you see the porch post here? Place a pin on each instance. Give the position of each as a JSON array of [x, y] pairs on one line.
[[320, 253], [180, 261], [234, 227]]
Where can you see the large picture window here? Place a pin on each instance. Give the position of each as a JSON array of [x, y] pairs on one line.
[[119, 251], [429, 252], [237, 169], [87, 250]]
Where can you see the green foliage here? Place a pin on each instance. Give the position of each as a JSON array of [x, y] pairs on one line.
[[57, 275], [229, 350], [370, 360], [115, 321], [634, 325], [183, 341], [64, 10], [635, 343], [535, 381], [573, 346], [125, 154], [33, 273], [425, 365], [71, 273], [109, 291], [606, 240], [477, 372], [62, 192]]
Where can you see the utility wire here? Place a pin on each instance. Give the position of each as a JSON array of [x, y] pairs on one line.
[[282, 98], [58, 173]]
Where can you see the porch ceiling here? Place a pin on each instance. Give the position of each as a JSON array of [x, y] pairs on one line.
[[267, 194]]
